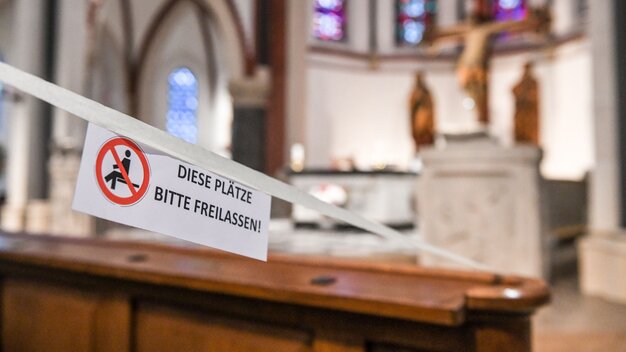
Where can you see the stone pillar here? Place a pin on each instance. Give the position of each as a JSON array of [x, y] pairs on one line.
[[63, 169], [605, 209], [250, 98], [447, 14], [297, 48], [68, 131], [603, 253], [565, 18], [25, 162]]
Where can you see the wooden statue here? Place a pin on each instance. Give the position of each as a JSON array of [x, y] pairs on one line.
[[526, 118], [473, 64], [421, 114]]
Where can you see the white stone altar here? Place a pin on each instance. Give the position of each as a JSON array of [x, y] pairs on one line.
[[481, 200], [383, 196]]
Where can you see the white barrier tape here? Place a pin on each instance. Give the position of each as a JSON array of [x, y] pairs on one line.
[[141, 132]]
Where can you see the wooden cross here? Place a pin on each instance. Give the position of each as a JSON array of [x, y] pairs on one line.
[[473, 64]]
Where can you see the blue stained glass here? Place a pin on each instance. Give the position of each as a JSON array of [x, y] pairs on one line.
[[510, 10], [414, 8], [182, 105], [413, 32], [329, 20], [413, 18], [331, 5], [509, 4]]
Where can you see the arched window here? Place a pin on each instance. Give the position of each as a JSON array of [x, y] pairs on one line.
[[413, 18], [182, 103], [329, 20], [509, 10]]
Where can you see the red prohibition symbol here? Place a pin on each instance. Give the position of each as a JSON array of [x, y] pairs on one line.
[[114, 177]]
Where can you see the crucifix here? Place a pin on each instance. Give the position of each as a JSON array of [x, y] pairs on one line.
[[473, 65]]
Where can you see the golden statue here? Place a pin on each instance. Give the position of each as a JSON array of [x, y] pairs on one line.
[[421, 114], [527, 108], [473, 65]]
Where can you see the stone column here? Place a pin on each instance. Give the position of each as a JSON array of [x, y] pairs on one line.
[[447, 13], [68, 131], [297, 46], [604, 207], [603, 253], [25, 162], [250, 98], [565, 18]]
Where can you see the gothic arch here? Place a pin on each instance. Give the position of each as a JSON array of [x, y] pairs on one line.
[[185, 37], [219, 17], [229, 67]]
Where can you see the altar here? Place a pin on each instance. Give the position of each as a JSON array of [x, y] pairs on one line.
[[385, 196], [483, 201]]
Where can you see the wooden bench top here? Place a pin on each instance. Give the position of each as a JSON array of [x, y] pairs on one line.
[[414, 293]]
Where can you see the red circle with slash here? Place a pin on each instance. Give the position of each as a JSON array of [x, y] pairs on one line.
[[137, 191]]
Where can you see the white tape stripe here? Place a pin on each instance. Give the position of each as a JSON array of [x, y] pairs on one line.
[[130, 127]]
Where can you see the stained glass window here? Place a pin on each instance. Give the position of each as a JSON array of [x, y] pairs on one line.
[[329, 20], [182, 104], [510, 10], [413, 18]]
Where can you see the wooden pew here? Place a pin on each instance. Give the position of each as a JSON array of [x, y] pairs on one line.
[[61, 294]]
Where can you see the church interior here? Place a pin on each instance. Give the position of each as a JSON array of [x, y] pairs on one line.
[[491, 129]]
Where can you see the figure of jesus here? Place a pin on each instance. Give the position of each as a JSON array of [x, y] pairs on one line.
[[473, 65]]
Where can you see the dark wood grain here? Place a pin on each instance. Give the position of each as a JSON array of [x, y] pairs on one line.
[[43, 317], [214, 300]]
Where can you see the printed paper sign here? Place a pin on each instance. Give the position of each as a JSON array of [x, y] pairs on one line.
[[122, 181]]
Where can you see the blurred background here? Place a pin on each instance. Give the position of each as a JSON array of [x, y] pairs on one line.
[[491, 128]]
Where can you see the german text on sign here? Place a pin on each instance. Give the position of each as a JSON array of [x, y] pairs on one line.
[[122, 181]]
